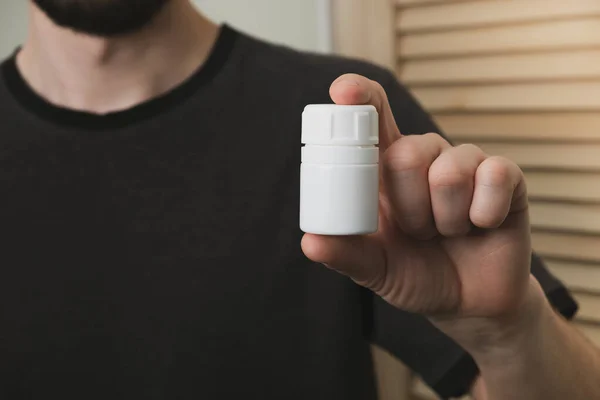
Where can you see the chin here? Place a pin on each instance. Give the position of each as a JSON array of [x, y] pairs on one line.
[[104, 18]]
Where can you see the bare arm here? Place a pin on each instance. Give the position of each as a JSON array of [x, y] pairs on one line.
[[547, 359]]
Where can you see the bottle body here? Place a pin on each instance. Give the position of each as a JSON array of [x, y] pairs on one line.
[[339, 199], [339, 175]]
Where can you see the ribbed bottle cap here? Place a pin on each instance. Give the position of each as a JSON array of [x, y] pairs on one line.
[[340, 125]]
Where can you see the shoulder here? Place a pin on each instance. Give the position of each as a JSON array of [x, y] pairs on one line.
[[304, 67], [307, 76]]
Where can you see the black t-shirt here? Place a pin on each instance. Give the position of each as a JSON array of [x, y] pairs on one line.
[[154, 253]]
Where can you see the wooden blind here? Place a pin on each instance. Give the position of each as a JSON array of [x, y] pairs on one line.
[[521, 78]]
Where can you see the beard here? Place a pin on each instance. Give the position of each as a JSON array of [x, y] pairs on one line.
[[103, 18]]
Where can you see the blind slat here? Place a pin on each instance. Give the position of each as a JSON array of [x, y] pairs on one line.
[[569, 217], [546, 155], [574, 96], [592, 332], [577, 276], [419, 3], [563, 186], [558, 35], [564, 126], [567, 246], [461, 15], [576, 65], [589, 307]]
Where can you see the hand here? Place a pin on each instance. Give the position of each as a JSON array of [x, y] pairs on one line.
[[453, 241]]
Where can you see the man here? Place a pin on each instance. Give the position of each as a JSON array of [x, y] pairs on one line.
[[151, 250]]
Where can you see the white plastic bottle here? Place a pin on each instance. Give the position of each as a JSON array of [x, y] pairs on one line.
[[339, 175]]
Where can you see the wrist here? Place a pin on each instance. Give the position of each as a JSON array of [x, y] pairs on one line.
[[506, 339], [501, 338]]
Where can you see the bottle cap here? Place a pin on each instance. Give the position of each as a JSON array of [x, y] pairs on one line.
[[340, 125]]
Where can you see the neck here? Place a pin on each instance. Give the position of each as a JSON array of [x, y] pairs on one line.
[[103, 75]]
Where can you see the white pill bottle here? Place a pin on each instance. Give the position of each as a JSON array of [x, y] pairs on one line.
[[339, 174]]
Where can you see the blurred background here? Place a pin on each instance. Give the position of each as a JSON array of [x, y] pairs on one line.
[[296, 23], [519, 78]]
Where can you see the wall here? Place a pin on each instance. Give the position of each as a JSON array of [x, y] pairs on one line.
[[13, 25], [293, 22], [301, 24]]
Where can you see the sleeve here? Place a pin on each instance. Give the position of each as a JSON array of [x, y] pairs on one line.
[[438, 360]]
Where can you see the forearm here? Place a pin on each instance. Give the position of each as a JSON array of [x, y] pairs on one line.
[[549, 360]]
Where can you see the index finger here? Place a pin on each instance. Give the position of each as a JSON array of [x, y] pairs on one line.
[[353, 89]]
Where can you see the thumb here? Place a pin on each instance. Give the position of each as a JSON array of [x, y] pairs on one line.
[[362, 258]]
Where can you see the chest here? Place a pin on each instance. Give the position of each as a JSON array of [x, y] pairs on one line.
[[185, 195], [186, 223]]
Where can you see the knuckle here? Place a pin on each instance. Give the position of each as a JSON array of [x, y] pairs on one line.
[[406, 154], [496, 172], [448, 171], [377, 85], [380, 96], [378, 88], [432, 136], [483, 218], [448, 174], [435, 140], [469, 148]]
